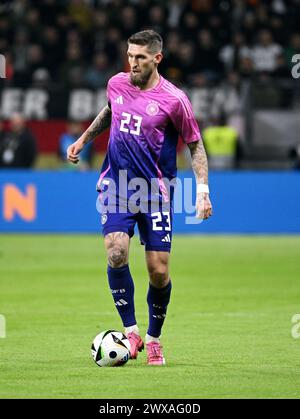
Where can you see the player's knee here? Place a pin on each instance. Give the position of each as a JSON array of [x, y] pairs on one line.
[[117, 256], [159, 276]]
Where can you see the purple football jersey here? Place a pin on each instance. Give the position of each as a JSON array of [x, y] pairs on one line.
[[144, 130]]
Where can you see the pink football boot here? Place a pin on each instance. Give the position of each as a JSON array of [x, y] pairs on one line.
[[154, 354], [136, 344]]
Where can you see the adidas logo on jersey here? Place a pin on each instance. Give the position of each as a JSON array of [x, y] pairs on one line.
[[166, 238], [119, 100]]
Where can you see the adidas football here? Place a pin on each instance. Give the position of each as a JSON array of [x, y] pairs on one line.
[[110, 349]]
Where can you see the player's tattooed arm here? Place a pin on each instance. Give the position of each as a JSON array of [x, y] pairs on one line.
[[200, 168], [100, 123], [199, 161]]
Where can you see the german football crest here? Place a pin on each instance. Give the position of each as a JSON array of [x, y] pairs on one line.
[[152, 109]]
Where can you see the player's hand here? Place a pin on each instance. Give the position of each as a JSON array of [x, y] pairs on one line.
[[203, 206], [73, 151]]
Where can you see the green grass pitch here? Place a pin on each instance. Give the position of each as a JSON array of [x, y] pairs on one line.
[[227, 333]]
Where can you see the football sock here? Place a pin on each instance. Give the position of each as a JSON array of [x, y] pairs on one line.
[[133, 328], [158, 300], [122, 289], [149, 339]]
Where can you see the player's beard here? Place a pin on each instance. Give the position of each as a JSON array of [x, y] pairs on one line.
[[142, 78]]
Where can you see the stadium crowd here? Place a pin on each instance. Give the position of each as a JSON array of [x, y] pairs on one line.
[[80, 43], [213, 47]]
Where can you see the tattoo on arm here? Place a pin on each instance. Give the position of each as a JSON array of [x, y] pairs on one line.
[[100, 123], [199, 161]]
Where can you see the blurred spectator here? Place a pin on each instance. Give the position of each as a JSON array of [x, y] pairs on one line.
[[221, 33], [246, 68], [6, 30], [229, 103], [80, 13], [278, 7], [41, 78], [33, 24], [35, 58], [50, 9], [74, 130], [17, 146], [265, 53], [238, 14], [214, 49], [262, 17], [221, 144], [219, 27], [202, 98], [175, 12], [73, 66], [129, 21], [201, 38], [51, 42], [249, 27], [282, 70], [170, 64], [187, 62], [157, 18], [113, 40], [279, 30], [233, 53], [190, 25], [20, 56], [100, 25], [97, 76], [207, 55]]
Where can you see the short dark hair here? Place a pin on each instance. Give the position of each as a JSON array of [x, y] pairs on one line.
[[149, 38]]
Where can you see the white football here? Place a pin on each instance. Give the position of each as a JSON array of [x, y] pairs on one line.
[[110, 349]]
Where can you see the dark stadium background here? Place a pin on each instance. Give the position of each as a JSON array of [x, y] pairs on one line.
[[212, 48], [238, 61], [234, 59]]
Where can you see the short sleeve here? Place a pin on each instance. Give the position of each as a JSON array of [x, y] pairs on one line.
[[184, 120]]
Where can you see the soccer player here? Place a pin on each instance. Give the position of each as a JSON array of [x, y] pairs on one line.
[[146, 113]]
